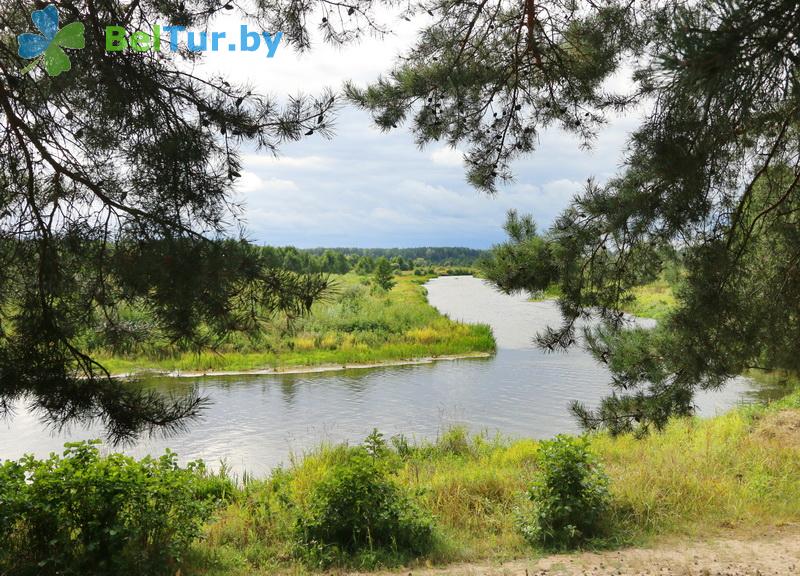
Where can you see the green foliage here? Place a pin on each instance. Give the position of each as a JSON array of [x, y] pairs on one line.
[[89, 514], [492, 78], [234, 291], [712, 170], [338, 506], [736, 302], [410, 257], [359, 514], [362, 260], [654, 300], [638, 362], [353, 324], [384, 274], [525, 262], [456, 272], [116, 183], [569, 495], [696, 476], [719, 180], [364, 266]]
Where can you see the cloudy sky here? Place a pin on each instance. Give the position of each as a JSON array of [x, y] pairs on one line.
[[370, 189]]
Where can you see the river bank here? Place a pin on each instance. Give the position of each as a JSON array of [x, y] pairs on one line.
[[285, 444], [356, 326], [653, 300], [697, 480], [256, 422], [703, 496]]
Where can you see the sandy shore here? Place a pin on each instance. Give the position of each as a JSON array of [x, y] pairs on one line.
[[304, 369]]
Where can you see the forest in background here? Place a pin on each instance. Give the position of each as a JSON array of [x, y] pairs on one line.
[[363, 260]]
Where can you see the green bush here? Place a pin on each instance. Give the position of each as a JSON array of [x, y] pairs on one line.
[[89, 514], [569, 495], [358, 515]]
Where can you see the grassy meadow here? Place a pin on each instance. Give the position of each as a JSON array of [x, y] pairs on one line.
[[356, 324], [698, 477], [652, 300]]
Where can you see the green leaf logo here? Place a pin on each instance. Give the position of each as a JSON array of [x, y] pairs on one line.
[[48, 46]]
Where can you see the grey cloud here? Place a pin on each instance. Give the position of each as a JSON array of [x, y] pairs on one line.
[[367, 188]]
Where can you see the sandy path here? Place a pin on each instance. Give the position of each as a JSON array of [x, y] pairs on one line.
[[773, 552]]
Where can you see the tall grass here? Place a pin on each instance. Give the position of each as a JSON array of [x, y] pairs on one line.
[[699, 476], [357, 324], [654, 300]]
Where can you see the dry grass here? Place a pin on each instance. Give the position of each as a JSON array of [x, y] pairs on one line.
[[698, 477], [782, 427]]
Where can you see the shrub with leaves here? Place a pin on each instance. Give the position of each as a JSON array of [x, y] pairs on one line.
[[569, 495], [88, 514], [358, 514]]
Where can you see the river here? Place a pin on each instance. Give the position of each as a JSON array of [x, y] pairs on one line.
[[258, 422]]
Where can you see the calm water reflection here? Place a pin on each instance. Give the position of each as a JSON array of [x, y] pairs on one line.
[[257, 422]]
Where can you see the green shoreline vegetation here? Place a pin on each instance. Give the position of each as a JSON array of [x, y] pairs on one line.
[[394, 502], [652, 300], [739, 470], [400, 502], [358, 323]]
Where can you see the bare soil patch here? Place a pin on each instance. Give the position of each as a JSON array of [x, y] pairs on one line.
[[773, 552]]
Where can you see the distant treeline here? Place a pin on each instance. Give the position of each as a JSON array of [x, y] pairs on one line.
[[362, 260]]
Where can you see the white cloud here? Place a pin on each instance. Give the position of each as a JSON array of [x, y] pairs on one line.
[[447, 156], [324, 66], [304, 162], [563, 188], [367, 188], [250, 183]]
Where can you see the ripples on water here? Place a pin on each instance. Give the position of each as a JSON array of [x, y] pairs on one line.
[[256, 422]]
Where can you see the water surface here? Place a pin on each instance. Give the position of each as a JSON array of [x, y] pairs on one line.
[[257, 422]]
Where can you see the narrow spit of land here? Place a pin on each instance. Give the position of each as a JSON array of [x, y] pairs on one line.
[[356, 326]]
